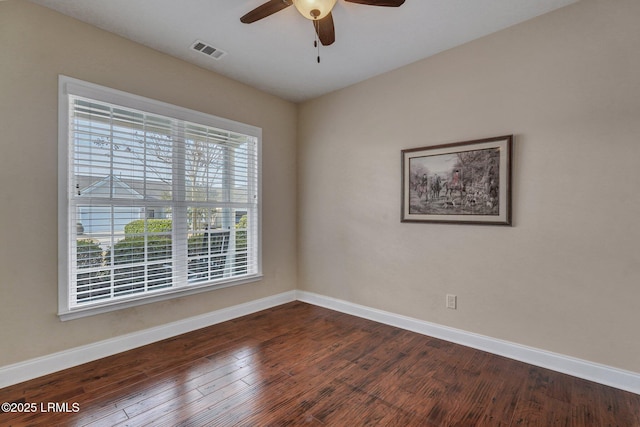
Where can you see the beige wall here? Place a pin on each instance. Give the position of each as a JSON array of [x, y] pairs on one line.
[[36, 45], [566, 276]]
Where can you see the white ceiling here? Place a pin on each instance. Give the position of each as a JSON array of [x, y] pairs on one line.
[[277, 55]]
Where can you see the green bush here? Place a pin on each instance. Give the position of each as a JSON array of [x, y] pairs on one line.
[[241, 246], [131, 249], [91, 284], [130, 278], [153, 226], [89, 254], [241, 234]]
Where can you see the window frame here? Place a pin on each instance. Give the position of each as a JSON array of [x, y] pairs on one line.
[[68, 86]]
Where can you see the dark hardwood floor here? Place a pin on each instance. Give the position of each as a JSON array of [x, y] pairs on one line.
[[298, 364]]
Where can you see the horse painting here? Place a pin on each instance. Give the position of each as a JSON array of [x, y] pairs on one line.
[[467, 182]]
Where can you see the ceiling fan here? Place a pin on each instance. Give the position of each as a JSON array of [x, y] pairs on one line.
[[319, 11]]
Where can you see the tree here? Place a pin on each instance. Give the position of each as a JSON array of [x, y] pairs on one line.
[[204, 163], [478, 167]]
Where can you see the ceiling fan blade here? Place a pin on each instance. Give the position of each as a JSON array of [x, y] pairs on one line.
[[326, 30], [264, 10], [388, 3]]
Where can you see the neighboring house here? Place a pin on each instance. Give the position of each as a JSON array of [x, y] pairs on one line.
[[97, 219]]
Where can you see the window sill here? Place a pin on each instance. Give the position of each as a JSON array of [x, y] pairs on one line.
[[79, 312]]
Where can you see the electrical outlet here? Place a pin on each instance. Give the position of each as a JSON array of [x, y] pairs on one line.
[[452, 301]]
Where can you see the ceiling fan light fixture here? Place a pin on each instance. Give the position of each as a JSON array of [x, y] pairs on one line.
[[314, 9]]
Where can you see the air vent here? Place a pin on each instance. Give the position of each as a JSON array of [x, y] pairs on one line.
[[208, 50]]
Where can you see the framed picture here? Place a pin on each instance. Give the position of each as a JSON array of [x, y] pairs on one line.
[[463, 183]]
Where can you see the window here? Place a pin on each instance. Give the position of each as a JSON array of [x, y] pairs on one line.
[[155, 200]]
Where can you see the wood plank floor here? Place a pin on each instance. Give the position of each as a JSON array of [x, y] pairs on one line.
[[299, 364]]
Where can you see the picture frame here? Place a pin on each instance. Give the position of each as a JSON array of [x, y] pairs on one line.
[[465, 182]]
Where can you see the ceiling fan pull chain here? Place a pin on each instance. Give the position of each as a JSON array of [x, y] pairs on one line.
[[315, 42]]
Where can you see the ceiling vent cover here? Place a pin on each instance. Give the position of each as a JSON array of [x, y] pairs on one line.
[[208, 50]]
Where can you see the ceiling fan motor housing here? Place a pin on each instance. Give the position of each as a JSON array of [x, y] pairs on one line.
[[314, 9]]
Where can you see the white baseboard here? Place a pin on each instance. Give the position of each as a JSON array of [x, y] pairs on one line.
[[613, 377], [34, 368]]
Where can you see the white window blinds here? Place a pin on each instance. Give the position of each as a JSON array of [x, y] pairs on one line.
[[156, 203]]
